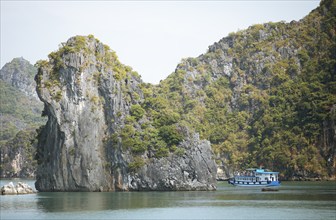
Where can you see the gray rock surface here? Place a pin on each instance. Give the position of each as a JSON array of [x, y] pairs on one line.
[[191, 171], [8, 189]]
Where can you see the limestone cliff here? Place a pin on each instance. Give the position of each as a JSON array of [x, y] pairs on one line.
[[93, 104]]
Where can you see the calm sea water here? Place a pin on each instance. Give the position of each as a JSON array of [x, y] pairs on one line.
[[294, 200]]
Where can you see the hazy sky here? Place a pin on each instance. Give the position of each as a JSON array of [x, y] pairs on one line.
[[150, 36]]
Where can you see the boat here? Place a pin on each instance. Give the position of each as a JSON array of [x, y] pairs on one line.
[[256, 177], [270, 189]]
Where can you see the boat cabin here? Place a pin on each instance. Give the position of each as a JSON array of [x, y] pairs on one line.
[[254, 176], [258, 175]]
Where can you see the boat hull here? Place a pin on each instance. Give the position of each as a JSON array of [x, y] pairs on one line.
[[254, 184]]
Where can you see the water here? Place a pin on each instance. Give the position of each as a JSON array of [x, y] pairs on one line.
[[294, 200]]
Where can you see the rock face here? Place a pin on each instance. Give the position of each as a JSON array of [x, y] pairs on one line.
[[17, 155], [88, 96], [192, 171], [20, 188]]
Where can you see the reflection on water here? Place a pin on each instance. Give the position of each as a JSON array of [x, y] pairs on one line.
[[305, 200], [68, 202]]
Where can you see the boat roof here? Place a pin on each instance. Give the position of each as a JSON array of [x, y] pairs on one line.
[[257, 170]]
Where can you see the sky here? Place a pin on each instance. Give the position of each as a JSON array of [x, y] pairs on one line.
[[150, 36]]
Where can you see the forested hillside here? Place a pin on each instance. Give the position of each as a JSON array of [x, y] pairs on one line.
[[265, 96]]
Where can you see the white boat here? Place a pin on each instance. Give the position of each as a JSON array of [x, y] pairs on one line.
[[256, 177]]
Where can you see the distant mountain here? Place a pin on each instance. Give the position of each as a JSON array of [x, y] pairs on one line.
[[20, 112], [19, 73]]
